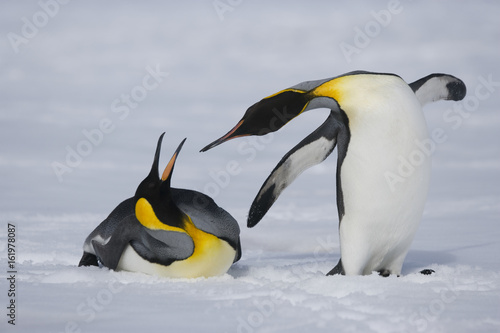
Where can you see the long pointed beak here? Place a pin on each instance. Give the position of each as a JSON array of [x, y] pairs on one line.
[[229, 135], [154, 168], [170, 166]]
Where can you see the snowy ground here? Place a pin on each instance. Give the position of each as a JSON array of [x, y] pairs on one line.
[[65, 74]]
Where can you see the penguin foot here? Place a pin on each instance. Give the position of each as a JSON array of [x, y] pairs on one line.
[[384, 272], [427, 271]]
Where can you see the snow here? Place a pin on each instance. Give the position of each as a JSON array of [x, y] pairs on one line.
[[192, 71]]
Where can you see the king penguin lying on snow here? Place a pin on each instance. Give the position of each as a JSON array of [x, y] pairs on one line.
[[165, 231], [376, 121]]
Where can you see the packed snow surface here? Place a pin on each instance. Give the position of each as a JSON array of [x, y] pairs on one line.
[[87, 88]]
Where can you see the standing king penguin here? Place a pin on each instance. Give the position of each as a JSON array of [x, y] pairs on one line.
[[165, 231], [376, 122]]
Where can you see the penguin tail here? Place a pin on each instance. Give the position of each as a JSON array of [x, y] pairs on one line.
[[314, 149]]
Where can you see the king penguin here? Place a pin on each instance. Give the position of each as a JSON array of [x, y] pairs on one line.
[[165, 231], [376, 122]]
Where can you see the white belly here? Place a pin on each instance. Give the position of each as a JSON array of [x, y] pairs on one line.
[[212, 261], [383, 197]]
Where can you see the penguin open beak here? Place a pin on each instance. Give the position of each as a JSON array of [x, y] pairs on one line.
[[167, 173], [153, 180], [229, 135]]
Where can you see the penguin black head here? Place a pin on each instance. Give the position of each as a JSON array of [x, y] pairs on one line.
[[267, 115], [156, 191]]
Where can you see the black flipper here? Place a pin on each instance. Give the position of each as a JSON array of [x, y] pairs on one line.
[[158, 246], [108, 240], [314, 149], [163, 247], [110, 252], [435, 87], [88, 259]]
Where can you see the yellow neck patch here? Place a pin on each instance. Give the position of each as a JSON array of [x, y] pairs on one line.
[[282, 91], [332, 88], [211, 256], [203, 242], [145, 214]]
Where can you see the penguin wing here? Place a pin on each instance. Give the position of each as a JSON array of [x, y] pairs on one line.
[[208, 216], [156, 246], [116, 220], [314, 149], [108, 240], [435, 87], [121, 228], [109, 250], [163, 247]]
